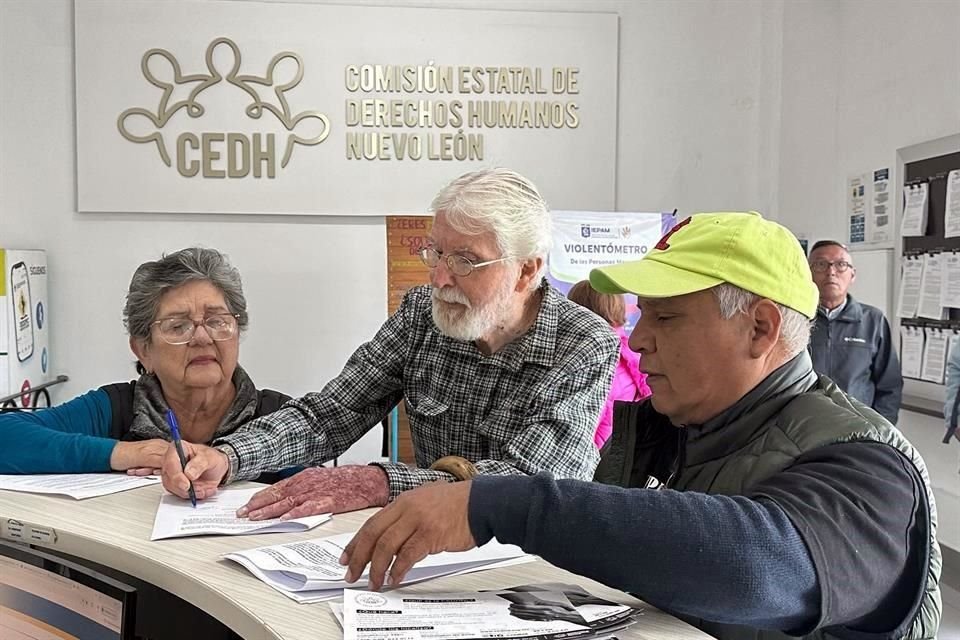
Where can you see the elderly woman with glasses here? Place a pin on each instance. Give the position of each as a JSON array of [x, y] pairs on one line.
[[184, 314]]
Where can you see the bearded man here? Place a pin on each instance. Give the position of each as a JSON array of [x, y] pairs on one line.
[[495, 367]]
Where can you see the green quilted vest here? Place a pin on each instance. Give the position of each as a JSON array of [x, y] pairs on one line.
[[799, 414]]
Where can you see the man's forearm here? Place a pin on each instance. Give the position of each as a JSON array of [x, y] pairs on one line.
[[743, 561], [280, 440]]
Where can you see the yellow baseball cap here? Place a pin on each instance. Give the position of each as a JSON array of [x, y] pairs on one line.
[[708, 249]]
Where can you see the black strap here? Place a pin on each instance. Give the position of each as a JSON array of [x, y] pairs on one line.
[[121, 408], [269, 401]]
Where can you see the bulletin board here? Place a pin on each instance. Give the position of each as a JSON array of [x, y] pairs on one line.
[[928, 163]]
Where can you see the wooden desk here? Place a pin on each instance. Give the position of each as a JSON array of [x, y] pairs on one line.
[[115, 531]]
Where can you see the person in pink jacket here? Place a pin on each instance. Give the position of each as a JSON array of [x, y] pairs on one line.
[[628, 382]]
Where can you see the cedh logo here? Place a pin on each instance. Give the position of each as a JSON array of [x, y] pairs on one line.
[[221, 124]]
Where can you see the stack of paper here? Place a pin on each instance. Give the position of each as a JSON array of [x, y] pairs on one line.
[[934, 355], [910, 287], [951, 211], [931, 286], [177, 518], [911, 351], [950, 287], [76, 485], [310, 570], [542, 611]]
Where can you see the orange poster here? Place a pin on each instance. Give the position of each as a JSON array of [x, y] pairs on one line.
[[405, 236]]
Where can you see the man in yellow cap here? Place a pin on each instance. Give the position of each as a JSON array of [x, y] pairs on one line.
[[785, 507]]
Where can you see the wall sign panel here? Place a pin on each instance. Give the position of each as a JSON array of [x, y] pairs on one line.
[[247, 107]]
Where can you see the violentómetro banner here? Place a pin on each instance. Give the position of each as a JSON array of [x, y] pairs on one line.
[[585, 240]]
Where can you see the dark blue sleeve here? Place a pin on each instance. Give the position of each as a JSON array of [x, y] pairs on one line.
[[887, 380], [68, 438], [861, 509], [726, 559]]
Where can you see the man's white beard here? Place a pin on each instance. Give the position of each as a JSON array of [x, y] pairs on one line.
[[466, 322]]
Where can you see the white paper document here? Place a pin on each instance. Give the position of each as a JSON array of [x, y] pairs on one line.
[[951, 212], [911, 351], [912, 274], [76, 485], [915, 210], [310, 570], [950, 290], [931, 285], [934, 355], [530, 611], [177, 518]]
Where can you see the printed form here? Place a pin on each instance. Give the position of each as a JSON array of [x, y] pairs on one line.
[[176, 517]]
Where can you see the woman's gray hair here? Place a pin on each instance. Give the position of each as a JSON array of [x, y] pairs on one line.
[[152, 279], [794, 329], [501, 201]]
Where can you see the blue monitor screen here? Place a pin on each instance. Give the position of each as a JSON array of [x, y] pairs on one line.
[[38, 601]]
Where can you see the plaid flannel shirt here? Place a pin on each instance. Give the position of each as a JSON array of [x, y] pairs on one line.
[[532, 406]]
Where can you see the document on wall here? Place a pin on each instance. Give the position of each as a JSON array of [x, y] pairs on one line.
[[310, 570], [177, 518], [950, 291], [857, 207], [931, 285], [934, 355], [76, 485], [879, 228], [951, 212], [912, 274], [544, 612], [911, 351], [915, 209]]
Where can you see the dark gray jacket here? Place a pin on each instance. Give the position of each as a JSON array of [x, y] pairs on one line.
[[856, 351]]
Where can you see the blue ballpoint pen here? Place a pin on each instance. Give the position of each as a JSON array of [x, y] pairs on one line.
[[175, 432]]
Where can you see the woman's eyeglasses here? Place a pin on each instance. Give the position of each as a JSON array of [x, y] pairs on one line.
[[219, 327]]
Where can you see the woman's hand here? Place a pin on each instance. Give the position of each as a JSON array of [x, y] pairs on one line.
[[141, 458]]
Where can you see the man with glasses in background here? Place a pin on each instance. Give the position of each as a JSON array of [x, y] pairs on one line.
[[851, 342], [500, 374]]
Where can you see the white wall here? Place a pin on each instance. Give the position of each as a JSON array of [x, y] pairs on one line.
[[861, 79]]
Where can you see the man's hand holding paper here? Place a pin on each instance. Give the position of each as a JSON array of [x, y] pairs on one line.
[[424, 521]]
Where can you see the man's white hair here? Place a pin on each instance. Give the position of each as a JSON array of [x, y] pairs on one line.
[[794, 330], [501, 201]]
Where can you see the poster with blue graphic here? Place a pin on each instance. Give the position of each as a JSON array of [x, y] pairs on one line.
[[585, 240]]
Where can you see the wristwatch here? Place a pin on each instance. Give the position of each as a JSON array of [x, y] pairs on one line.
[[232, 459]]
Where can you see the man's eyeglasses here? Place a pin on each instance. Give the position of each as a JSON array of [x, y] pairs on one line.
[[457, 264], [219, 327], [822, 266]]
